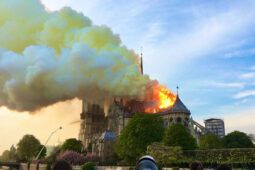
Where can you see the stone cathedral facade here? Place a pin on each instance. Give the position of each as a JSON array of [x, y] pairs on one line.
[[98, 130]]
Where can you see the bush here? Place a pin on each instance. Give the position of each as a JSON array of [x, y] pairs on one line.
[[178, 135], [165, 155], [89, 166], [72, 144], [173, 156], [210, 141], [72, 158], [92, 157]]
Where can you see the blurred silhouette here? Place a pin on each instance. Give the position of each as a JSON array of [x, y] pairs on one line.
[[223, 167], [196, 166], [62, 165], [146, 163]]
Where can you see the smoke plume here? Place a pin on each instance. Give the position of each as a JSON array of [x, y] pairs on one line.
[[47, 57]]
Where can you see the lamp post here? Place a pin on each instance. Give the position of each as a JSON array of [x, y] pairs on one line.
[[52, 133]]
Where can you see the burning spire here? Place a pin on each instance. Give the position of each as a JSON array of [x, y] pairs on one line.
[[141, 62]]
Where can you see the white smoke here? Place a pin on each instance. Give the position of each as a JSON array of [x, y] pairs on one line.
[[47, 57]]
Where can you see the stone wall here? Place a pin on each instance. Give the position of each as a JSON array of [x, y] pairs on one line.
[[24, 166]]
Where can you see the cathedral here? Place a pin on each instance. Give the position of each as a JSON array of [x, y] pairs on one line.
[[99, 127], [99, 131]]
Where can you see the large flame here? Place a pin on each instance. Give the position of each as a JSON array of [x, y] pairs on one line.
[[166, 98], [161, 97]]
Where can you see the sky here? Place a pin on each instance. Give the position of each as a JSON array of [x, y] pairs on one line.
[[207, 48]]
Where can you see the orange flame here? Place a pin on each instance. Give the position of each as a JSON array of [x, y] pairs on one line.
[[166, 98], [162, 98]]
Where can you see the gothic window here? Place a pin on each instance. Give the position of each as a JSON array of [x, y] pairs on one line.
[[178, 120], [171, 119], [94, 108], [97, 109]]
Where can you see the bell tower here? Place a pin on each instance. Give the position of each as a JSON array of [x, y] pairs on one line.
[[93, 122]]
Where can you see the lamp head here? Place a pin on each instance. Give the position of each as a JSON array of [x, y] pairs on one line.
[[146, 163]]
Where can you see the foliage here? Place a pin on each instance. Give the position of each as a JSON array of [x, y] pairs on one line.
[[237, 139], [92, 157], [223, 156], [13, 154], [210, 141], [5, 156], [141, 130], [72, 144], [178, 135], [28, 147], [72, 157], [9, 155], [89, 166], [164, 154], [43, 153], [171, 156]]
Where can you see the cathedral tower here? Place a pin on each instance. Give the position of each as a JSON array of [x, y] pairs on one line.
[[93, 122]]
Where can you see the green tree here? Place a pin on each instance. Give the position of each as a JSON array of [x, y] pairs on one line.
[[237, 139], [43, 153], [28, 148], [178, 135], [13, 154], [141, 131], [9, 155], [210, 141], [72, 144], [5, 156], [89, 166]]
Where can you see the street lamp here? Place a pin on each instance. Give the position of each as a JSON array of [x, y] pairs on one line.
[[52, 133]]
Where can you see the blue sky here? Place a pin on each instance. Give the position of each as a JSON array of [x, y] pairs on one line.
[[206, 47]]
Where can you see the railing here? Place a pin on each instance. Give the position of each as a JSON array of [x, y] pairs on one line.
[[15, 165]]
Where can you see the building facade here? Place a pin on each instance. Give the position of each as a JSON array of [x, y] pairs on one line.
[[215, 126], [96, 126], [178, 113], [93, 123]]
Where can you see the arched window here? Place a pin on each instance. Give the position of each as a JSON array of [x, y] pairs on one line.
[[94, 108], [179, 120]]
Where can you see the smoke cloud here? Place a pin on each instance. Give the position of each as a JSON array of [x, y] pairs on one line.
[[47, 57]]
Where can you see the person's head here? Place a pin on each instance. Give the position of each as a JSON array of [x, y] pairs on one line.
[[196, 166], [146, 163], [223, 167], [62, 165]]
